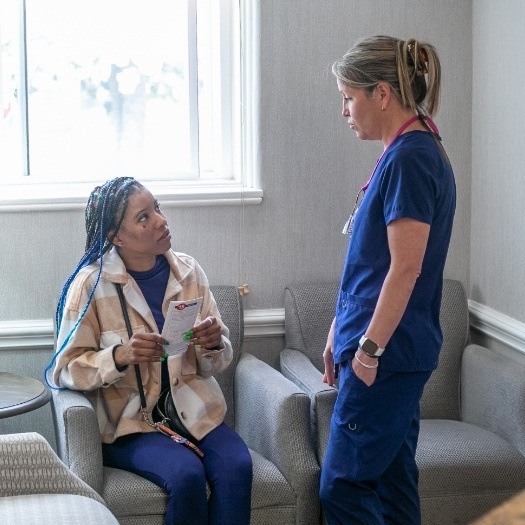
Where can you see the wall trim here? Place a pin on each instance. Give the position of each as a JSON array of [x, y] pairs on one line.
[[264, 323], [38, 333], [498, 326], [30, 333]]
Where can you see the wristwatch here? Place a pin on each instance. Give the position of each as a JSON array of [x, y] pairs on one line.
[[370, 348]]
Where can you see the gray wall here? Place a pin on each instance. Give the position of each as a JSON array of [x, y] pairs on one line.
[[497, 262], [311, 165], [311, 168]]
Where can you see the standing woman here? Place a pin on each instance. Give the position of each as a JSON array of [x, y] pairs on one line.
[[128, 247], [385, 338]]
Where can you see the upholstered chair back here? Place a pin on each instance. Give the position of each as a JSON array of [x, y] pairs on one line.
[[309, 311], [441, 397], [230, 307]]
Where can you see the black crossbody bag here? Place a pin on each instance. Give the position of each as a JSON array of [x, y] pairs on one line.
[[169, 423]]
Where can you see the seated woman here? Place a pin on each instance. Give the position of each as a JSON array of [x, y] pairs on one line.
[[129, 246]]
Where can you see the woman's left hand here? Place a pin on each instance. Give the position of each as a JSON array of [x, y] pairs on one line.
[[207, 333], [367, 375]]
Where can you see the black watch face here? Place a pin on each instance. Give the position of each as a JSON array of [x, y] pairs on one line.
[[369, 347]]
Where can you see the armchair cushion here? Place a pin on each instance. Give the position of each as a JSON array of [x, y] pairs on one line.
[[58, 509]]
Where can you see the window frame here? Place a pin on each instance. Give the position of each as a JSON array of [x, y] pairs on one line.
[[60, 196]]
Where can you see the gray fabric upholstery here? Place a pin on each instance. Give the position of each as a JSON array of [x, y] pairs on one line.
[[472, 439], [268, 411], [230, 306], [306, 327], [81, 449], [441, 395], [297, 367], [36, 488], [28, 465], [130, 496], [56, 509], [272, 417], [306, 324], [493, 393]]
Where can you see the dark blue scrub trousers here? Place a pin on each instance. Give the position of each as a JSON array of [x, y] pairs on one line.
[[226, 465], [369, 475]]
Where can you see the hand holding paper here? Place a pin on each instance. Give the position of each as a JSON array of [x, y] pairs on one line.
[[180, 319]]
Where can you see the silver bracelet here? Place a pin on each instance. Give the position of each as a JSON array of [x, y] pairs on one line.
[[364, 364]]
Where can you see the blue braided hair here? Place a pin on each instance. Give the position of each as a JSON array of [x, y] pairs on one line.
[[105, 211]]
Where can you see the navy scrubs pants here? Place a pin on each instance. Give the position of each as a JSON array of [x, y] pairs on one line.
[[369, 475], [226, 465]]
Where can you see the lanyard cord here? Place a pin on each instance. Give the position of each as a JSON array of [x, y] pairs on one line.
[[410, 121]]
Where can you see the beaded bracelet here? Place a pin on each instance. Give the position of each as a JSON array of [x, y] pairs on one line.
[[364, 364]]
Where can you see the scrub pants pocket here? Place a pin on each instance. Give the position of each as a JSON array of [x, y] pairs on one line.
[[369, 424]]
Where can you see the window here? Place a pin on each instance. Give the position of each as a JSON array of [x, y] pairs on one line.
[[98, 89]]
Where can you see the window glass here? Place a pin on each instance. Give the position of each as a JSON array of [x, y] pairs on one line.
[[119, 87], [10, 122]]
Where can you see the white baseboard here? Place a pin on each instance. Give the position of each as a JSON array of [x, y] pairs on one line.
[[38, 333]]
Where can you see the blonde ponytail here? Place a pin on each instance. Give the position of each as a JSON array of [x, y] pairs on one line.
[[410, 67]]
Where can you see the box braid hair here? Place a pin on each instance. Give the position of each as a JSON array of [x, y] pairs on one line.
[[105, 211]]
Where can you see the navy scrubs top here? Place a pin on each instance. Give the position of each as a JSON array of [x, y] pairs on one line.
[[413, 180]]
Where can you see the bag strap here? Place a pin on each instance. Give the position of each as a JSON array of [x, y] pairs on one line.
[[161, 427], [130, 334]]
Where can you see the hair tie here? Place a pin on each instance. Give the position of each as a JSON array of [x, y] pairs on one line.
[[421, 61]]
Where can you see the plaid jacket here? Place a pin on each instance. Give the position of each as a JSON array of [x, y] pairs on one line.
[[87, 362]]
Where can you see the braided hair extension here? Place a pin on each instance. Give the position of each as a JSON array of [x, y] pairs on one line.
[[105, 211]]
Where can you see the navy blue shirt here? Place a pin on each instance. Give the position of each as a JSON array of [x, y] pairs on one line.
[[152, 284], [413, 180]]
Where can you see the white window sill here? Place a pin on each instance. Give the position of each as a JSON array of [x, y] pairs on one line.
[[64, 197]]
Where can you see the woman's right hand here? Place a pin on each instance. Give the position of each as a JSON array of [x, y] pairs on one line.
[[328, 357], [141, 348]]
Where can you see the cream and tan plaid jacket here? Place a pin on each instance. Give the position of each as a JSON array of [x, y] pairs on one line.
[[87, 362]]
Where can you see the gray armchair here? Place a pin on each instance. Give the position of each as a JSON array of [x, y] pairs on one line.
[[472, 439], [36, 488], [268, 411]]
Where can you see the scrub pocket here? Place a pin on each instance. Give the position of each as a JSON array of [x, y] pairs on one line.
[[369, 424]]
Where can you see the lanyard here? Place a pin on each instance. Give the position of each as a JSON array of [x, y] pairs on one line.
[[431, 125], [347, 229]]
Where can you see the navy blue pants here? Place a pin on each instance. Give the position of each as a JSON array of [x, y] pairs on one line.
[[226, 465], [369, 475]]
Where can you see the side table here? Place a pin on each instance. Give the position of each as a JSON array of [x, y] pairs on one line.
[[19, 394]]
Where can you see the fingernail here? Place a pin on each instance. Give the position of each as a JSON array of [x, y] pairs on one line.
[[187, 337], [189, 333], [197, 347]]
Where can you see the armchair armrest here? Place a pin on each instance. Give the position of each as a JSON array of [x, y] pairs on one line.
[[30, 466], [78, 436], [493, 393], [272, 417], [298, 368]]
